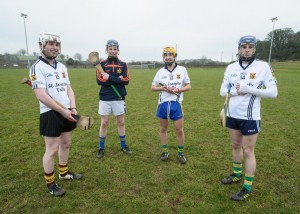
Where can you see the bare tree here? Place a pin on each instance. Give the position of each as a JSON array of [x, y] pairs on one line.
[[78, 56], [280, 41], [35, 54], [62, 57], [21, 52]]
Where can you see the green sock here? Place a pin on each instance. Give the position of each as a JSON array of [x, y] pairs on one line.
[[248, 182], [164, 148], [237, 168], [180, 150]]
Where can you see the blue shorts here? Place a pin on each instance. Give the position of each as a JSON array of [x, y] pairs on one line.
[[169, 110], [247, 127]]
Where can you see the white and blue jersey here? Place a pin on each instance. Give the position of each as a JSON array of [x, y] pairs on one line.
[[176, 78], [54, 79], [257, 74]]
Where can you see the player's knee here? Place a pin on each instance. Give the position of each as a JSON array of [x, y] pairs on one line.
[[163, 129], [66, 144], [104, 124], [121, 123], [51, 153], [179, 132], [248, 152], [236, 146]]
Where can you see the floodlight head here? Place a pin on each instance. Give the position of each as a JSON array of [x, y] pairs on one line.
[[274, 19], [24, 15]]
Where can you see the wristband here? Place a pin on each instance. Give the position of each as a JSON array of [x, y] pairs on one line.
[[73, 108]]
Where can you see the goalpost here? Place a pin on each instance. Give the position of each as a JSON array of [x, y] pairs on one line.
[[143, 66]]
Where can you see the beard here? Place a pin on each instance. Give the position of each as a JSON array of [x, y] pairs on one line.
[[169, 63], [50, 57]]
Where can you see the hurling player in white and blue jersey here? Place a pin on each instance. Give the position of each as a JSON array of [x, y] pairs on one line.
[[248, 80], [171, 81], [50, 81]]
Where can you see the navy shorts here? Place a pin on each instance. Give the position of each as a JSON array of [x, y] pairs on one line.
[[170, 110], [247, 127], [52, 124]]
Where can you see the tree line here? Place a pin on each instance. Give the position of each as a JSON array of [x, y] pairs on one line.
[[286, 46], [20, 59]]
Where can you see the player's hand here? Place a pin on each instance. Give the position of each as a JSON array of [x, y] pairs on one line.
[[105, 76], [169, 90], [74, 111], [240, 88], [175, 90], [163, 88], [68, 115]]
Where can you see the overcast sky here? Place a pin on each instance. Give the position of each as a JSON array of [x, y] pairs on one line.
[[143, 27]]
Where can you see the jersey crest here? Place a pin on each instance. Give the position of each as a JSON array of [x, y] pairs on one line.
[[252, 75], [33, 77]]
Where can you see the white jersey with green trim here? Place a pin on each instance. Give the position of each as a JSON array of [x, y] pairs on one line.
[[53, 78], [257, 74], [176, 78]]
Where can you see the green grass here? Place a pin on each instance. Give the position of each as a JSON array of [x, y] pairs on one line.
[[141, 183]]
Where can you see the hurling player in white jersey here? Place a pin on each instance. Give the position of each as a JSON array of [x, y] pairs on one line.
[[171, 81], [50, 81], [247, 81]]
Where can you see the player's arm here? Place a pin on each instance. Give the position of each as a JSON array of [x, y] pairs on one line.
[[270, 92], [157, 85], [159, 88], [99, 78], [102, 77], [186, 87], [269, 81], [71, 96], [122, 79], [186, 83], [225, 86], [43, 97]]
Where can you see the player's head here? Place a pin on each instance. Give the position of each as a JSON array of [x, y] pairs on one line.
[[247, 48], [49, 44], [169, 54], [112, 48]]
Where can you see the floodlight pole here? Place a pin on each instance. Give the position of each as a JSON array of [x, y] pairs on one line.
[[221, 56], [24, 16], [273, 20]]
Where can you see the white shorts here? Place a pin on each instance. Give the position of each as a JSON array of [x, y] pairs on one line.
[[112, 107]]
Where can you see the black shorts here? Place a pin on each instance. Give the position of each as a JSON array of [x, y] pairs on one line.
[[247, 127], [52, 124]]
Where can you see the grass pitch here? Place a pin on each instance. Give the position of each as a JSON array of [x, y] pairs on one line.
[[142, 183]]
